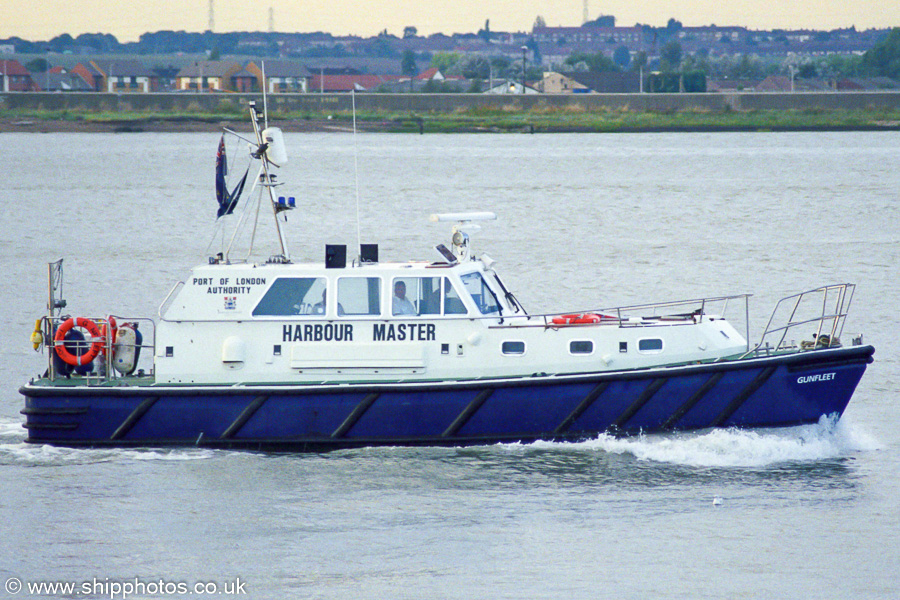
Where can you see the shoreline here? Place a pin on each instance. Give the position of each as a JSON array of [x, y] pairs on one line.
[[522, 122]]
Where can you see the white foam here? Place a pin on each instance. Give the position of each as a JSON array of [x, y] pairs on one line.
[[11, 428], [829, 438], [42, 454], [13, 449]]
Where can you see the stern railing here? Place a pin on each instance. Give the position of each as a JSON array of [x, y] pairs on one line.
[[102, 368]]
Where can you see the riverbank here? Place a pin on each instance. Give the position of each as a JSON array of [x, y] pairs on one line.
[[460, 113], [519, 122]]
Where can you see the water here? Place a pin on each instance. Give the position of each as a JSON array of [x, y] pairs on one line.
[[585, 220]]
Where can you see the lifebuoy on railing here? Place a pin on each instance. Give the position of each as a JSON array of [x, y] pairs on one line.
[[111, 329], [77, 360], [581, 319], [565, 319]]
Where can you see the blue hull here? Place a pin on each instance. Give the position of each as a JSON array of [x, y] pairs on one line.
[[763, 392]]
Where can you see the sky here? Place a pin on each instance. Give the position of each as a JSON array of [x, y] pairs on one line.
[[128, 19]]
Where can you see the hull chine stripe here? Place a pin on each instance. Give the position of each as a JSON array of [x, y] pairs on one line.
[[133, 418], [245, 416], [693, 400], [735, 404], [358, 411], [467, 413], [582, 406]]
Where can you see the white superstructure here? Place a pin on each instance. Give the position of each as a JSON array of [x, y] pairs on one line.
[[291, 323]]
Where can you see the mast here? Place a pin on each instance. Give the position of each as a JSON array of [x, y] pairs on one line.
[[266, 178]]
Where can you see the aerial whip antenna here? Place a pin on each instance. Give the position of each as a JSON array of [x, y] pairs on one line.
[[356, 175]]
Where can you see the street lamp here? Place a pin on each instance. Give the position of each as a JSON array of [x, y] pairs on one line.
[[524, 50]]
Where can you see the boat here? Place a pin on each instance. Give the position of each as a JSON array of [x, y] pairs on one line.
[[352, 351]]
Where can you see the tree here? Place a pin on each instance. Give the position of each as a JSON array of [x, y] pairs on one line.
[[409, 31], [670, 56], [808, 71], [884, 58], [37, 65], [601, 21], [475, 67], [408, 63], [595, 63], [639, 61], [539, 22], [485, 34], [444, 61]]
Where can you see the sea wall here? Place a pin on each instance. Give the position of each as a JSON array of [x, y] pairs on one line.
[[443, 103]]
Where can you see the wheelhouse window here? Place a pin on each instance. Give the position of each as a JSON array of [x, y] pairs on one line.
[[416, 296], [359, 296], [453, 304], [293, 296], [478, 289]]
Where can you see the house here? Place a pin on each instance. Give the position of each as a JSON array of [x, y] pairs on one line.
[[207, 75], [867, 84], [346, 83], [284, 76], [628, 82], [557, 83], [62, 80], [432, 74], [775, 83], [510, 87], [118, 76], [16, 78], [247, 79], [782, 83], [588, 35]]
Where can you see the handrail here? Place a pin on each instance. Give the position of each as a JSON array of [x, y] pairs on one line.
[[178, 284], [108, 372], [832, 314]]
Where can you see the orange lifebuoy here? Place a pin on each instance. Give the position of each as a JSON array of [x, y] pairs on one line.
[[60, 337], [584, 319], [103, 331], [565, 319], [587, 318]]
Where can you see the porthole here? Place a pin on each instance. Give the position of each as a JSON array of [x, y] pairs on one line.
[[650, 345], [513, 348], [581, 347]]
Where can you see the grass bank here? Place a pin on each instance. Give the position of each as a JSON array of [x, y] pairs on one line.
[[506, 119]]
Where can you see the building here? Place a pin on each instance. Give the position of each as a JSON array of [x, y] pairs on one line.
[[118, 76], [510, 87], [207, 76], [284, 76], [347, 83], [557, 83], [16, 78], [588, 35], [61, 80]]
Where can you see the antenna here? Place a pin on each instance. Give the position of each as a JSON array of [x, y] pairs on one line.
[[212, 15], [265, 97], [356, 173], [271, 20], [584, 12]]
